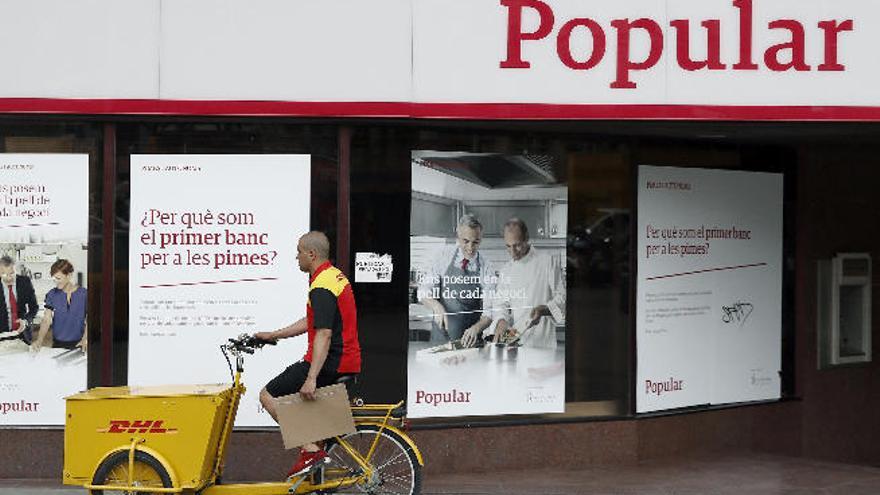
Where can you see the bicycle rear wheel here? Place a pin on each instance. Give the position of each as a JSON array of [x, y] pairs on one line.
[[396, 468]]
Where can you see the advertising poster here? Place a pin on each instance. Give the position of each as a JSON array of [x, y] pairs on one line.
[[213, 255], [44, 215], [709, 301], [487, 285]]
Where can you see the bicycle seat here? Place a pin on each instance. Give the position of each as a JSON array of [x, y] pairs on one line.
[[346, 379], [351, 386], [399, 411]]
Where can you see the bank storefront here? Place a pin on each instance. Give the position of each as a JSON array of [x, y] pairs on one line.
[[551, 213]]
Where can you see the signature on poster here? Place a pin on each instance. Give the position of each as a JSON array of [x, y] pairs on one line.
[[738, 312]]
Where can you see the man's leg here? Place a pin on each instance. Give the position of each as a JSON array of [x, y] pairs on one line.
[[288, 382], [268, 403]]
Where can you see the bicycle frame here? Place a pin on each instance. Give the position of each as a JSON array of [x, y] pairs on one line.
[[380, 417]]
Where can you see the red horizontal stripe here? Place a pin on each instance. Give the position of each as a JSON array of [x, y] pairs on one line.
[[719, 269], [467, 111], [208, 282]]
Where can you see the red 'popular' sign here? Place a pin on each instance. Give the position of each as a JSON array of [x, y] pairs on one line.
[[790, 55]]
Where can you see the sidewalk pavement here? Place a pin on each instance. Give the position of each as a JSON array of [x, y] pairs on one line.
[[752, 474]]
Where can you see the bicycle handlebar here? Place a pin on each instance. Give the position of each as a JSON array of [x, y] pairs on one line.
[[243, 344], [246, 343]]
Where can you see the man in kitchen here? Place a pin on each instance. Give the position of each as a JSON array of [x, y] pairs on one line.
[[456, 287], [529, 299]]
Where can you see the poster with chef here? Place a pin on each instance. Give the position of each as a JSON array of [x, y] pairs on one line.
[[709, 296], [487, 284], [44, 214], [212, 256]]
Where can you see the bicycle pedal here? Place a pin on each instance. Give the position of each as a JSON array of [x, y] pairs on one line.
[[311, 470]]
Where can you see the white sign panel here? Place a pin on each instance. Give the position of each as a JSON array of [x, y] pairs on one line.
[[212, 255], [719, 52], [94, 49], [373, 268], [709, 294], [337, 50], [392, 52], [487, 290], [44, 213]]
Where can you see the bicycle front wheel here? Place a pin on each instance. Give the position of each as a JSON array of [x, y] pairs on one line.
[[148, 472], [396, 470]]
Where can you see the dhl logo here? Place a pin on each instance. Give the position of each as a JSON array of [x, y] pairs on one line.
[[137, 426]]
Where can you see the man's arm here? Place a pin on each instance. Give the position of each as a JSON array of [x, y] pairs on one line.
[[28, 297], [299, 327], [488, 284], [320, 347], [84, 341], [500, 311], [325, 311], [437, 308], [45, 323], [469, 337], [431, 286], [555, 307]]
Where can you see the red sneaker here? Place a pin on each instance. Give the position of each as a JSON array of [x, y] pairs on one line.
[[308, 461]]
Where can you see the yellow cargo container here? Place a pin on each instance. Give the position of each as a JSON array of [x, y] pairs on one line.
[[180, 426]]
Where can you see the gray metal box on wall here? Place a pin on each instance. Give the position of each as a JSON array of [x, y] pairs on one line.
[[844, 310]]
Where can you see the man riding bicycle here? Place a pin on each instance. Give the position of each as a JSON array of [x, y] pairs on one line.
[[331, 324]]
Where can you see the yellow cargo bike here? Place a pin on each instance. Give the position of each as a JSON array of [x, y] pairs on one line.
[[173, 439]]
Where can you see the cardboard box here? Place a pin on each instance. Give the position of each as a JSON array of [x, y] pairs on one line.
[[303, 421]]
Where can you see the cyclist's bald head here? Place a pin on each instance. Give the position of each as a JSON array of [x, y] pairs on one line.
[[317, 242]]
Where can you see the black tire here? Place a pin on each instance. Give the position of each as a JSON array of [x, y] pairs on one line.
[[398, 468], [114, 471]]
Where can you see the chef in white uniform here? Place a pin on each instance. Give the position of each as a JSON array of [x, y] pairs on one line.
[[530, 296]]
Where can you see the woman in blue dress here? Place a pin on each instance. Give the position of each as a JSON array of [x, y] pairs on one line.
[[65, 312]]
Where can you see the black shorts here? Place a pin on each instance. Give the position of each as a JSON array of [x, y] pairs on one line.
[[292, 379]]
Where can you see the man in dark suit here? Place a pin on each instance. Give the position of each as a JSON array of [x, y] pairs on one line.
[[18, 306]]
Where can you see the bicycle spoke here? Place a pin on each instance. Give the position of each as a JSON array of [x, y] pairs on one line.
[[401, 481], [393, 469], [402, 455]]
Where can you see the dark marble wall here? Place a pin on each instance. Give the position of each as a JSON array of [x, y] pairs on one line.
[[838, 211]]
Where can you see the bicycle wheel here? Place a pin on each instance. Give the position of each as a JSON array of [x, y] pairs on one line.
[[396, 468], [148, 472]]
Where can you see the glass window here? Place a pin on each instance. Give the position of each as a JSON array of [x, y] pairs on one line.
[[596, 161], [35, 255], [216, 137], [595, 252]]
